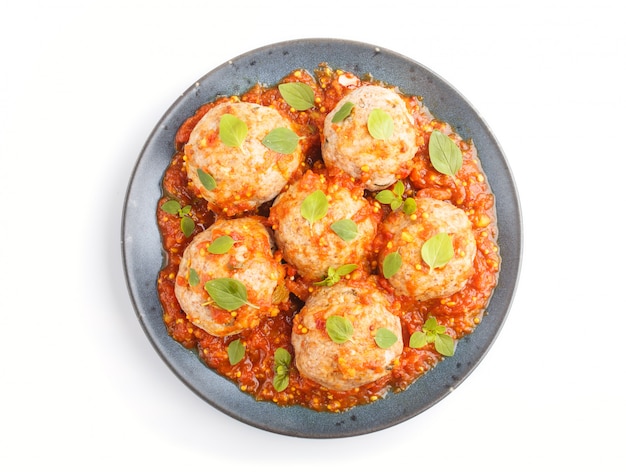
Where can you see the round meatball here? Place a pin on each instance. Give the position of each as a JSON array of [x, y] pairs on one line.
[[312, 247], [415, 279], [245, 175], [359, 360], [249, 260], [349, 145]]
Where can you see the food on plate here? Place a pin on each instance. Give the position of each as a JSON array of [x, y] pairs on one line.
[[341, 233], [228, 162], [346, 335], [443, 270], [376, 139], [330, 252], [231, 254]]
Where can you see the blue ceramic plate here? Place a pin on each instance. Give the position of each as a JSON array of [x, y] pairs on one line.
[[142, 253]]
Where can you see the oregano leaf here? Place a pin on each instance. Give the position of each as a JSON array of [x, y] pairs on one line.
[[194, 278], [346, 229], [228, 294], [206, 180], [343, 112], [282, 140], [438, 250], [391, 264], [444, 344], [385, 338], [297, 95], [187, 225], [314, 206], [236, 350], [233, 131], [380, 124], [339, 329], [445, 155], [171, 207], [221, 245]]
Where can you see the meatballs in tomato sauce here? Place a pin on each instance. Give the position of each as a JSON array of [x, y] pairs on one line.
[[338, 335], [228, 163], [237, 252], [322, 221], [370, 135], [407, 236]]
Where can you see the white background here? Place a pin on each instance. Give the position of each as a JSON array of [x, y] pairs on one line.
[[83, 84]]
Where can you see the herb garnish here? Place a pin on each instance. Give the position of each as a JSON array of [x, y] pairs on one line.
[[391, 264], [339, 329], [194, 278], [394, 198], [228, 294], [282, 362], [172, 207], [221, 245], [314, 206], [335, 274], [385, 338], [233, 131], [445, 155], [236, 350], [206, 180], [380, 124], [346, 229], [282, 140], [297, 95], [438, 250], [343, 112], [433, 332]]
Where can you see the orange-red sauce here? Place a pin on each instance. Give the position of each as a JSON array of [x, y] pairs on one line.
[[460, 313]]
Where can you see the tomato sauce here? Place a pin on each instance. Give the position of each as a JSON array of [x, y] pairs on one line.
[[460, 313]]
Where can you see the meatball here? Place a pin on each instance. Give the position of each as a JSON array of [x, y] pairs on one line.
[[349, 145], [312, 247], [359, 360], [415, 279], [246, 175], [249, 260]]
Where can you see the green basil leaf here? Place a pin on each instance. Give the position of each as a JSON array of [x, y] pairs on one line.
[[221, 245], [280, 382], [343, 112], [339, 329], [430, 324], [346, 269], [298, 95], [391, 264], [236, 350], [228, 294], [345, 229], [187, 225], [233, 131], [417, 340], [314, 206], [171, 206], [438, 250], [444, 344], [445, 155], [385, 196], [380, 124], [206, 180], [385, 338], [398, 188], [194, 278], [282, 357], [282, 140], [409, 206], [282, 361]]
